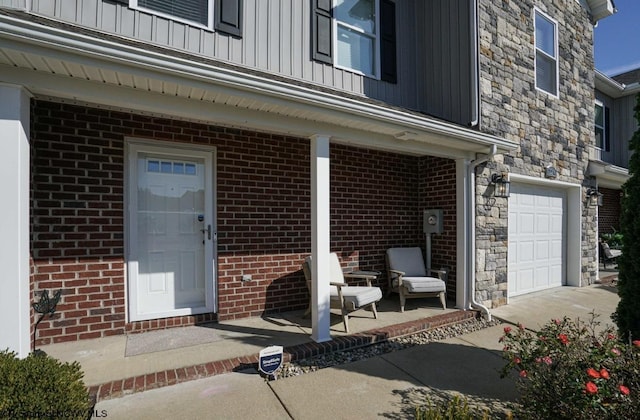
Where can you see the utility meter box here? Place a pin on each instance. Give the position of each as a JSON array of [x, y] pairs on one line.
[[432, 221]]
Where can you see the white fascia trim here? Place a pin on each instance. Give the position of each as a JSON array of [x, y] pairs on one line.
[[614, 88], [608, 175], [84, 45], [598, 9]]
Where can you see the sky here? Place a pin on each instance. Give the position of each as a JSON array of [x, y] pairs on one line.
[[617, 39]]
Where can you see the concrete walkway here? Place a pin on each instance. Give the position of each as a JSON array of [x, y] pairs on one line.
[[389, 385]]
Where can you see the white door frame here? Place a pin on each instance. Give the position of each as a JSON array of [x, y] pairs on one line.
[[172, 150]]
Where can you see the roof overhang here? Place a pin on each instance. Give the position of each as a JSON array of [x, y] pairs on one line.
[[607, 175], [614, 89], [599, 9], [87, 67]]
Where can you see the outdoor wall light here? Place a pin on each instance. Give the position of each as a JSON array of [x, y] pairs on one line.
[[594, 197], [501, 185]]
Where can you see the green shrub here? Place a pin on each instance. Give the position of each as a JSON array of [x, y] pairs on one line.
[[41, 387], [573, 370], [627, 315], [614, 240], [453, 409]]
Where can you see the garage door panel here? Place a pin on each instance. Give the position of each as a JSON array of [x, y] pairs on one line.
[[538, 238], [526, 200], [525, 278], [525, 252], [557, 249], [542, 250], [525, 223], [541, 277], [542, 223]]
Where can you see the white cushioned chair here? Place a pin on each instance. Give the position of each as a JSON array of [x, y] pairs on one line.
[[344, 297], [409, 278]]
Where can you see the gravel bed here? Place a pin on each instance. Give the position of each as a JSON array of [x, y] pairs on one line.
[[313, 364]]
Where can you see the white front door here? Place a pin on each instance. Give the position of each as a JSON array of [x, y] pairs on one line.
[[171, 231], [537, 238]]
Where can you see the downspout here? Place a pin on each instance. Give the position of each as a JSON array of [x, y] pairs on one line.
[[475, 65], [471, 256]]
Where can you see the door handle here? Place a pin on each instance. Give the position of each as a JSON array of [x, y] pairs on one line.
[[208, 231]]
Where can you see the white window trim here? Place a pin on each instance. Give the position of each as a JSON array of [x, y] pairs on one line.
[[556, 56], [376, 44], [133, 4], [605, 140]]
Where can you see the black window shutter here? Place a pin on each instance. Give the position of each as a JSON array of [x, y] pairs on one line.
[[321, 31], [228, 17], [388, 70], [607, 131]]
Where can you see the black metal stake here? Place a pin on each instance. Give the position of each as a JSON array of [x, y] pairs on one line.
[[45, 306]]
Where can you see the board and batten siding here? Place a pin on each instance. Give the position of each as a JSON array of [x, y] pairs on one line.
[[622, 125], [432, 46], [14, 4]]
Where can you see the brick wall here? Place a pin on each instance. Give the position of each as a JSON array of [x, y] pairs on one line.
[[77, 220], [263, 210], [438, 191], [609, 212], [374, 205]]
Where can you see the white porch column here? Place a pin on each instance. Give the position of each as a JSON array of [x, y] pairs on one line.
[[14, 219], [320, 219], [463, 233]]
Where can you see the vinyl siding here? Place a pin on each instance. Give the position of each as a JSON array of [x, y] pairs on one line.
[[433, 46], [15, 4], [622, 127]]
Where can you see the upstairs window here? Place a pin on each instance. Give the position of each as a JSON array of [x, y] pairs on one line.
[[356, 35], [546, 61], [190, 10], [602, 126], [227, 13]]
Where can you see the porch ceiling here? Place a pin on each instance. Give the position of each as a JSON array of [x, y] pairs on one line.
[[57, 60]]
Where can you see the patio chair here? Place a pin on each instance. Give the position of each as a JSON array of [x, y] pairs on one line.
[[408, 276], [607, 254], [344, 297]]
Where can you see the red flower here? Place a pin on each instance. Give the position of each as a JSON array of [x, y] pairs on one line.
[[604, 373], [615, 351], [636, 343], [593, 373], [523, 373], [517, 361], [611, 336], [507, 330], [590, 388], [563, 339], [623, 389]]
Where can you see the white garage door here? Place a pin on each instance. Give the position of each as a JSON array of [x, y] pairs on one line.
[[537, 238]]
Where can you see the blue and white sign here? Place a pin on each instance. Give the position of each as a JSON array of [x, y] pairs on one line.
[[270, 360]]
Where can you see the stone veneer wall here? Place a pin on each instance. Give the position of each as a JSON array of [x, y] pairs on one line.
[[550, 131]]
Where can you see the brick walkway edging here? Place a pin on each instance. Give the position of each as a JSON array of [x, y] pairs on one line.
[[120, 387]]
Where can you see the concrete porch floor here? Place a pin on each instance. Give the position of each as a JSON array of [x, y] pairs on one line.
[[109, 372]]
